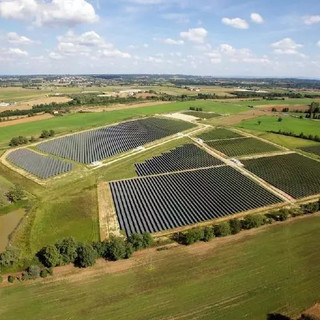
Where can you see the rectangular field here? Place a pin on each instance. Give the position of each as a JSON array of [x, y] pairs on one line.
[[312, 149], [153, 204], [185, 157], [242, 146], [202, 115], [218, 134], [296, 175], [100, 144], [43, 167]]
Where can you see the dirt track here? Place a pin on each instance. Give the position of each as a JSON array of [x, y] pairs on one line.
[[26, 120]]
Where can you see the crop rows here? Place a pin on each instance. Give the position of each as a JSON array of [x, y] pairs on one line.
[[242, 146], [96, 145], [202, 115], [296, 175], [312, 149], [41, 166], [218, 134], [152, 204], [183, 157]]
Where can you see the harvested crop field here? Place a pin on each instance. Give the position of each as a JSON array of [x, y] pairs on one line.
[[294, 174], [100, 144], [218, 134], [312, 149], [202, 115], [157, 203], [185, 157], [43, 167], [242, 146]]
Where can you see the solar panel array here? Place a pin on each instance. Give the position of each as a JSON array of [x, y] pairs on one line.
[[188, 156], [97, 145], [41, 166], [156, 203]]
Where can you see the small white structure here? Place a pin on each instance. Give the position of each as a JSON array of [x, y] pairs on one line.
[[95, 163], [4, 104], [237, 162], [140, 148]]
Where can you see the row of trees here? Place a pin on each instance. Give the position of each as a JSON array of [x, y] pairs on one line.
[[21, 140], [301, 135], [234, 226]]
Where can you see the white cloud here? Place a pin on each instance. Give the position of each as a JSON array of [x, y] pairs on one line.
[[286, 46], [52, 12], [173, 41], [318, 44], [13, 37], [55, 56], [195, 35], [154, 60], [18, 52], [308, 20], [87, 44], [256, 17], [236, 23], [176, 17]]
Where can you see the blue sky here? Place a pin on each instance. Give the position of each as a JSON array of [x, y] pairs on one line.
[[262, 38]]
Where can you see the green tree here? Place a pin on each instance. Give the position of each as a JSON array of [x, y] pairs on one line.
[[43, 273], [222, 229], [252, 221], [45, 134], [86, 256], [193, 235], [116, 248], [49, 256], [15, 194], [34, 272], [207, 234], [11, 279], [235, 226], [137, 241], [147, 240], [67, 248], [10, 257], [129, 250]]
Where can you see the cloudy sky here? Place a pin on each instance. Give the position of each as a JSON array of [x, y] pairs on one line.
[[279, 38]]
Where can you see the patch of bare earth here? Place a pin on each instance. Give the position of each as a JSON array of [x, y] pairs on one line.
[[313, 312], [26, 120], [292, 108], [233, 119]]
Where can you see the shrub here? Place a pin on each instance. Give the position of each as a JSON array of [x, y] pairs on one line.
[[222, 229], [86, 256], [50, 271], [11, 279], [137, 241], [296, 212], [67, 249], [10, 256], [15, 194], [43, 273], [310, 207], [147, 240], [49, 256], [34, 272], [280, 215], [235, 226], [24, 276], [253, 221], [129, 251], [1, 278], [193, 235], [207, 234], [116, 248]]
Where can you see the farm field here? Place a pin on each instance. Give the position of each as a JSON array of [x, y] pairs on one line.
[[226, 279], [288, 124], [313, 149], [82, 121], [218, 134], [242, 146], [297, 175], [184, 157], [43, 167], [157, 203], [96, 145]]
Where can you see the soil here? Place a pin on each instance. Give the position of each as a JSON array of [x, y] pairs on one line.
[[26, 120]]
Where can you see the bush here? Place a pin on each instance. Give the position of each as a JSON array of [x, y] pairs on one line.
[[137, 241], [15, 194], [193, 235], [1, 278], [49, 256], [280, 215], [10, 256], [116, 248], [86, 256], [235, 225], [222, 229], [253, 221], [129, 251], [310, 207], [50, 271], [147, 240], [43, 273], [24, 276], [34, 272], [11, 279], [296, 212], [67, 249], [207, 234]]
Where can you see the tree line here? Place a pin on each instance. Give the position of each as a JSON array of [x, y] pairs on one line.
[[21, 140]]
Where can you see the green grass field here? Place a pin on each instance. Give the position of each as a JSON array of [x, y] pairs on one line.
[[218, 134], [247, 277], [294, 125], [242, 146]]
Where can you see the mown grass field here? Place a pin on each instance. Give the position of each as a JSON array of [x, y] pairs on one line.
[[269, 123], [275, 269]]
